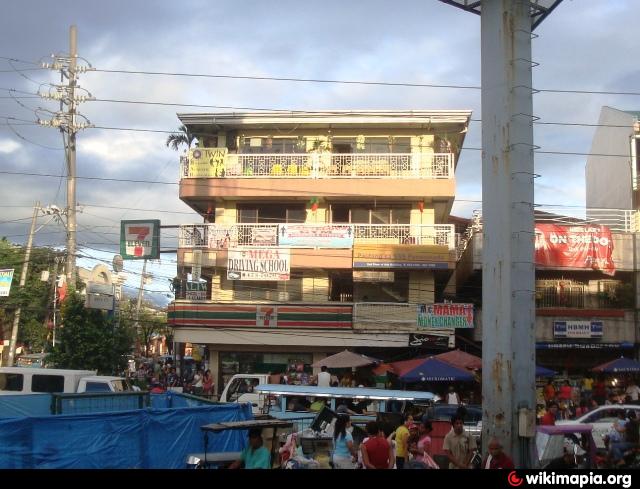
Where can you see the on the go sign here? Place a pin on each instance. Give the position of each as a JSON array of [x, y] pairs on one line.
[[140, 240]]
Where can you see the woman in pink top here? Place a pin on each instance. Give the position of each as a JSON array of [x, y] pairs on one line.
[[422, 451]]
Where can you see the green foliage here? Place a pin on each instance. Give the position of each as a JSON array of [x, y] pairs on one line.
[[175, 140], [150, 324], [33, 298], [90, 340]]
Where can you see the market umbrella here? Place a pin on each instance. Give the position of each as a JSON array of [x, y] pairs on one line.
[[434, 370], [544, 372], [345, 359], [619, 365], [461, 359]]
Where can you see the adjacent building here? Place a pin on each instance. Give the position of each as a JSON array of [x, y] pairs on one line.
[[320, 231]]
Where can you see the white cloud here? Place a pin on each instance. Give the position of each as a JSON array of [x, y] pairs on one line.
[[8, 146]]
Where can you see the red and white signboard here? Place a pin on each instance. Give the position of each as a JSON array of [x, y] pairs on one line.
[[589, 246]]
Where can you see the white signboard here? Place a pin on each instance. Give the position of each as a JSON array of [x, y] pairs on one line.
[[6, 276], [196, 269], [266, 264], [96, 288], [316, 235], [99, 301], [140, 239]]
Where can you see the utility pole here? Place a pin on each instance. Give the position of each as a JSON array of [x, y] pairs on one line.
[[23, 279], [71, 161], [68, 123], [508, 268], [139, 304]]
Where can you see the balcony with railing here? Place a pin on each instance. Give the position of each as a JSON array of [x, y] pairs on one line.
[[224, 236], [316, 165]]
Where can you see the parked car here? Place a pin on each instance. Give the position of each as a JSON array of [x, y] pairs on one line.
[[602, 419], [472, 419]]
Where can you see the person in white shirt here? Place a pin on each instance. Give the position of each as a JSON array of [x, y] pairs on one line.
[[324, 377], [452, 396], [633, 391]]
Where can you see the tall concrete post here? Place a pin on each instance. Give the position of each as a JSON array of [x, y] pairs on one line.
[[508, 271]]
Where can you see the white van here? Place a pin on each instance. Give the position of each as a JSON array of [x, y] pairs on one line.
[[23, 380]]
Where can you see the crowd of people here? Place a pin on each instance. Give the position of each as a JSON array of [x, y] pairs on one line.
[[158, 377]]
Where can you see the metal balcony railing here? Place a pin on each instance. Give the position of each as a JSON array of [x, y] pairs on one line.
[[326, 165], [222, 236]]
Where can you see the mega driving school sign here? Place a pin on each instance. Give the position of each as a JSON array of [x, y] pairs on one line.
[[140, 240]]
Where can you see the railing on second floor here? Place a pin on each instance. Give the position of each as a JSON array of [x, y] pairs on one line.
[[323, 165], [222, 236]]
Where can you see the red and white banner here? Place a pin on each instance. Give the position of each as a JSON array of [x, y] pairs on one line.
[[587, 246]]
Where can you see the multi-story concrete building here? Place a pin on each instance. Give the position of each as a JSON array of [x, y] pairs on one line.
[[321, 231], [613, 166], [585, 290]]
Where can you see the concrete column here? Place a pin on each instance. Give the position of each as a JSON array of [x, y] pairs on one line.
[[214, 366], [317, 356], [508, 381], [421, 287]]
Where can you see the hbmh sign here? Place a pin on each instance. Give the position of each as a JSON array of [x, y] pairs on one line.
[[270, 264], [445, 316], [140, 240], [577, 329], [6, 277]]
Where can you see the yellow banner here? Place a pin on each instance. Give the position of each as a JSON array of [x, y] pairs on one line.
[[206, 162], [417, 257]]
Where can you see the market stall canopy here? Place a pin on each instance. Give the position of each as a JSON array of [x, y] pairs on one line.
[[434, 370], [345, 359], [544, 372], [619, 365], [461, 359]]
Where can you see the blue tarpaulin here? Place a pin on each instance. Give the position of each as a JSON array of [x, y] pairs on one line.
[[25, 405], [144, 438]]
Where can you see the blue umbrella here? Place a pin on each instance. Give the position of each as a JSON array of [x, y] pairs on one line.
[[619, 365], [544, 372], [434, 370]]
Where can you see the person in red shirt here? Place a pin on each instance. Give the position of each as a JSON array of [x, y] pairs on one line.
[[376, 451], [565, 391], [549, 419], [497, 459]]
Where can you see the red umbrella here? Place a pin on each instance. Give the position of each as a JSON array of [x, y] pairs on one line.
[[461, 359]]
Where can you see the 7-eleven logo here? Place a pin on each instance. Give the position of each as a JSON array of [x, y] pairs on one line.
[[136, 239]]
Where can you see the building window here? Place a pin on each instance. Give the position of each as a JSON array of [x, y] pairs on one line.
[[284, 291], [271, 213], [270, 145], [359, 214]]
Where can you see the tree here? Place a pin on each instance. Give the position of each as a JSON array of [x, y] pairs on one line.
[[33, 298], [151, 323], [185, 136], [90, 340]]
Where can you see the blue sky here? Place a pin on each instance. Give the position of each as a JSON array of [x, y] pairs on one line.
[[583, 45]]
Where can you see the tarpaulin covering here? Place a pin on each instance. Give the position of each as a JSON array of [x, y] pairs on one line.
[[589, 246], [144, 438], [25, 405]]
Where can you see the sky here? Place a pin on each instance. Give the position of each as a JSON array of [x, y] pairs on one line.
[[583, 45]]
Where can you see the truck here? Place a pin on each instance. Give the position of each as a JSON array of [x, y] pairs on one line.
[[25, 380], [240, 388]]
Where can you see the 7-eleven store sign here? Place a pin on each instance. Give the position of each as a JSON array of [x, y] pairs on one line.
[[140, 240]]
